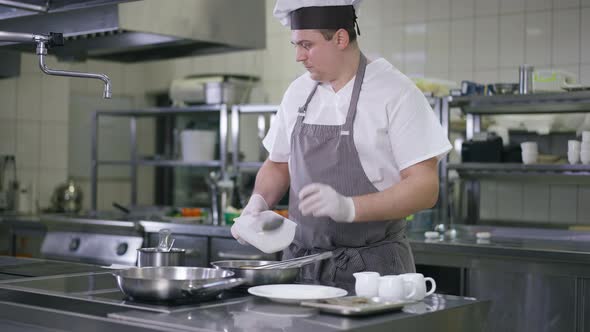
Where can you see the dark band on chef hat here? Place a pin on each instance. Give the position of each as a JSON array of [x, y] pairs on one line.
[[324, 17]]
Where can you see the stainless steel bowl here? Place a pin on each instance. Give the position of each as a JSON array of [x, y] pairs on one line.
[[170, 283], [158, 257], [256, 277]]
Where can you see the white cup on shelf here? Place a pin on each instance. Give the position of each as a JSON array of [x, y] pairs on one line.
[[529, 157], [586, 136], [585, 156], [419, 281], [367, 283], [573, 145], [573, 157], [529, 147], [585, 145]]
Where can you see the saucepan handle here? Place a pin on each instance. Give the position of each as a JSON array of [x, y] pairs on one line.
[[213, 286]]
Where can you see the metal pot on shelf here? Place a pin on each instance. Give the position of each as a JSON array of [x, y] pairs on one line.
[[67, 197]]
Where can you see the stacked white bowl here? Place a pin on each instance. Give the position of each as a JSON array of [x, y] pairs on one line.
[[585, 148], [573, 151], [530, 152]]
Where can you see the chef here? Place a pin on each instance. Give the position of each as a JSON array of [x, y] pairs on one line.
[[357, 144]]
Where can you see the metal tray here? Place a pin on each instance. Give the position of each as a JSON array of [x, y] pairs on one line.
[[355, 305]]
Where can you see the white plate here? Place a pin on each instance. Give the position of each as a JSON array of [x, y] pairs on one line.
[[295, 293]]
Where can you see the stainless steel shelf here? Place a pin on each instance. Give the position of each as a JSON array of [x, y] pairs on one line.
[[163, 111], [162, 163], [250, 165], [475, 169], [558, 102]]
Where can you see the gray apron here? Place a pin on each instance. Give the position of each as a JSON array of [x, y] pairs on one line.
[[327, 154]]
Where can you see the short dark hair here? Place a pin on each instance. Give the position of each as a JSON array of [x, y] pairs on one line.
[[329, 33]]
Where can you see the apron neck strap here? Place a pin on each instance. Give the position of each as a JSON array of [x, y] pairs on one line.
[[303, 109], [356, 91]]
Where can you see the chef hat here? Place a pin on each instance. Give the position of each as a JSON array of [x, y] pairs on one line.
[[317, 14]]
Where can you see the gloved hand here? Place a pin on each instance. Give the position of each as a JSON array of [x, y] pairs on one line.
[[255, 205], [320, 200]]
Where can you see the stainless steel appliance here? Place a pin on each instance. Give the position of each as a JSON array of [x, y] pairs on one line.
[[93, 240]]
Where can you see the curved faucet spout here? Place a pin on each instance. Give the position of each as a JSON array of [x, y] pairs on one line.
[[107, 93]]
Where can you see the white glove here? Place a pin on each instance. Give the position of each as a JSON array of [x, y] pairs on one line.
[[320, 200], [255, 205]]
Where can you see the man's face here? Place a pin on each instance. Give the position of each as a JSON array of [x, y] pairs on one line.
[[318, 55]]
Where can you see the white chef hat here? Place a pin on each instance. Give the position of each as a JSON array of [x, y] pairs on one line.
[[317, 14]]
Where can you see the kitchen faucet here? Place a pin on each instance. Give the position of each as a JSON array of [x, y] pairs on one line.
[[47, 41]]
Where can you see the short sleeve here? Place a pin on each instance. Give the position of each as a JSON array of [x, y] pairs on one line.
[[414, 131], [276, 141]]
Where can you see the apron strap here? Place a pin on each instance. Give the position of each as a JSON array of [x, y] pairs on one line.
[[303, 109], [354, 98]]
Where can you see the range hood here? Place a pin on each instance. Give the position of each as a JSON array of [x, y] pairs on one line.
[[131, 31]]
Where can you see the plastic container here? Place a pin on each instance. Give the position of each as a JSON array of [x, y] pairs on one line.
[[198, 145], [252, 230]]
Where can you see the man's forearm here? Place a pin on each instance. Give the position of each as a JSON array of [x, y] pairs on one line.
[[272, 181], [417, 191]]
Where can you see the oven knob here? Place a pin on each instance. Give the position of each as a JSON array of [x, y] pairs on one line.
[[74, 244], [122, 249]]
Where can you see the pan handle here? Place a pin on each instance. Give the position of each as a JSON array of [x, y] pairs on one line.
[[213, 286]]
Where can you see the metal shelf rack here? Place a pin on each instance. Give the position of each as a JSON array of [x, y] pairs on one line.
[[137, 160], [476, 106], [236, 111]]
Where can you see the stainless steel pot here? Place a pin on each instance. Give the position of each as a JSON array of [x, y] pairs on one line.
[[254, 277], [172, 283], [160, 257]]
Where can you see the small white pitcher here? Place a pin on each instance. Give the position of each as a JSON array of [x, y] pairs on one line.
[[367, 284]]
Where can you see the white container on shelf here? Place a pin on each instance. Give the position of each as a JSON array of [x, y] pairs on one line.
[[198, 145]]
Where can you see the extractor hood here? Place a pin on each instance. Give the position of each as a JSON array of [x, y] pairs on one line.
[[130, 31]]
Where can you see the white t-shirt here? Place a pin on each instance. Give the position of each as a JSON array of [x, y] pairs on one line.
[[394, 127]]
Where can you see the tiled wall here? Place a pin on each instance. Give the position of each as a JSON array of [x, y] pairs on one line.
[[483, 40]]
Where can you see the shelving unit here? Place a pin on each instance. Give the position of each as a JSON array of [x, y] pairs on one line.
[[237, 110], [135, 160], [476, 106]]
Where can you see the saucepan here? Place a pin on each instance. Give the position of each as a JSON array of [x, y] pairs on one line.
[[256, 273], [173, 283]]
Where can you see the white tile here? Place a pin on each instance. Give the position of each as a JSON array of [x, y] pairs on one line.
[[28, 134], [488, 201], [55, 96], [458, 76], [486, 76], [437, 46], [510, 201], [538, 38], [54, 140], [370, 14], [487, 7], [393, 11], [28, 97], [145, 186], [511, 6], [7, 137], [415, 11], [415, 48], [532, 5], [486, 42], [585, 35], [29, 64], [134, 79], [393, 46], [508, 75], [563, 205], [438, 9], [512, 40], [8, 98], [583, 216], [113, 191], [563, 4], [566, 37], [371, 42], [585, 3], [49, 179], [462, 8], [585, 74], [536, 202], [462, 44]]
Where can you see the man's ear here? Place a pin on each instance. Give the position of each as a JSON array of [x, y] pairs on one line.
[[342, 38]]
